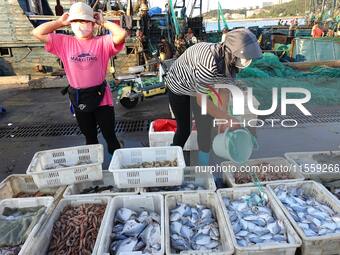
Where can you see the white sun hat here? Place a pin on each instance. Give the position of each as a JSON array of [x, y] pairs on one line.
[[81, 11]]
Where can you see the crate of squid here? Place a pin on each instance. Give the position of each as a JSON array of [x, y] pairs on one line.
[[193, 180]]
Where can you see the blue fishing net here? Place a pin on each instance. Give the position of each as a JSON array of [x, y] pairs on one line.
[[262, 75]]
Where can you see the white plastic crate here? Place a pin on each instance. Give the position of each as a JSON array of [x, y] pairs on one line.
[[309, 166], [208, 199], [40, 242], [16, 183], [24, 203], [326, 245], [205, 180], [153, 202], [260, 249], [75, 189], [147, 177], [229, 179], [67, 175], [159, 139]]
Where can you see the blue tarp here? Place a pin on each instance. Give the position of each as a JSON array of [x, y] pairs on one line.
[[154, 11]]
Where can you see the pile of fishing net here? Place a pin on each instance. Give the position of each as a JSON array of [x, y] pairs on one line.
[[266, 73]]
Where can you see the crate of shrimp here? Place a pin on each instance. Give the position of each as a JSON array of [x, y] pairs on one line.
[[135, 225], [20, 219], [314, 213], [104, 187], [194, 224], [320, 166], [159, 138], [22, 185], [74, 227], [193, 180], [67, 166], [267, 170], [148, 167], [256, 222]]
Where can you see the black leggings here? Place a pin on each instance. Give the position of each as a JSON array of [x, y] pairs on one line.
[[183, 106], [104, 117]]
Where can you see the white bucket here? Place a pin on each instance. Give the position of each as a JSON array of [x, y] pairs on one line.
[[235, 145]]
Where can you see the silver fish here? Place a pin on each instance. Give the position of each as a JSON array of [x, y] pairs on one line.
[[313, 217], [132, 233], [255, 224], [151, 236], [193, 228], [127, 245], [124, 214], [133, 228]]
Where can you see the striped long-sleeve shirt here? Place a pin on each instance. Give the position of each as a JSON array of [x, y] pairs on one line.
[[194, 71]]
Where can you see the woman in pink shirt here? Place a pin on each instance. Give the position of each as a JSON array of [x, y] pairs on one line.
[[85, 58]]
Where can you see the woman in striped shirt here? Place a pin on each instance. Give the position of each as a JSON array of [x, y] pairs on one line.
[[195, 73]]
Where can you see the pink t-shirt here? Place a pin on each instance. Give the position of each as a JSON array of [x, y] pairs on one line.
[[85, 61]]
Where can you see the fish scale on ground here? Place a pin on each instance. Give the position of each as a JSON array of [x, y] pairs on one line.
[[193, 228], [134, 231], [253, 221], [313, 217]]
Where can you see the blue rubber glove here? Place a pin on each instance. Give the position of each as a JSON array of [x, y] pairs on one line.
[[203, 158]]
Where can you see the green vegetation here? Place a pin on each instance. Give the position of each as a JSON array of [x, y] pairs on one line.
[[293, 8]]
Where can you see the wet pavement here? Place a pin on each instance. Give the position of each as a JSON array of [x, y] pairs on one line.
[[29, 107]]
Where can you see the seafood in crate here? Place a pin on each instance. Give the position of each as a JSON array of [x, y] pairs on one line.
[[15, 226], [257, 224], [103, 187], [253, 221], [267, 170], [314, 213], [134, 225], [76, 230], [195, 224], [320, 166], [23, 186], [148, 167], [164, 163], [192, 180], [183, 187], [313, 217], [136, 231], [20, 219], [74, 227], [65, 166], [193, 228]]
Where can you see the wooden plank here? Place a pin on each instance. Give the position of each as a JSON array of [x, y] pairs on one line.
[[18, 79], [308, 65], [18, 43]]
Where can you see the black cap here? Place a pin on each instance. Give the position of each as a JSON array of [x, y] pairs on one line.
[[243, 44]]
